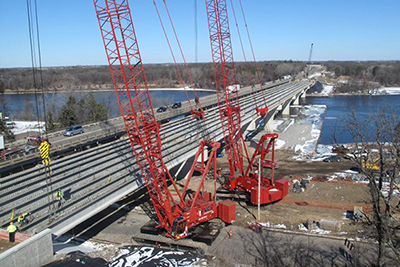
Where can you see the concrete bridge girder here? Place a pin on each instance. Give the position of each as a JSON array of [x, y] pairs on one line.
[[261, 123], [178, 160], [286, 107], [269, 121], [303, 94]]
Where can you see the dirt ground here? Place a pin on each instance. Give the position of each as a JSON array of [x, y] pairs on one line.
[[320, 200], [5, 244]]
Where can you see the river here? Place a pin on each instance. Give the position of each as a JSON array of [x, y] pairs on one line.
[[339, 108], [19, 105]]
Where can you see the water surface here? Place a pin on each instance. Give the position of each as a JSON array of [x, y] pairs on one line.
[[339, 108]]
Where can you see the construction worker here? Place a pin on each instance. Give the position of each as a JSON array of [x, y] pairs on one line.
[[11, 229], [22, 219], [59, 196], [230, 233]]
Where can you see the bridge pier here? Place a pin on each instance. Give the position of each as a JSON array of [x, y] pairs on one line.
[[284, 108], [296, 101]]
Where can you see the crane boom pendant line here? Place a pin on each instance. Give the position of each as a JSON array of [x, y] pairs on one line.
[[268, 189], [225, 79], [130, 82]]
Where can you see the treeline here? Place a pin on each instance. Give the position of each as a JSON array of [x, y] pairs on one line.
[[386, 73], [76, 112], [158, 75]]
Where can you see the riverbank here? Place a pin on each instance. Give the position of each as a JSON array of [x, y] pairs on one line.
[[38, 91], [328, 90]]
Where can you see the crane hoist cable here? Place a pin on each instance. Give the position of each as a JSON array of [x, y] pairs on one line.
[[250, 80], [36, 59], [33, 55], [265, 109], [198, 112], [196, 34]]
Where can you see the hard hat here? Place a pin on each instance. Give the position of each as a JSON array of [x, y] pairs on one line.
[[11, 222], [20, 216]]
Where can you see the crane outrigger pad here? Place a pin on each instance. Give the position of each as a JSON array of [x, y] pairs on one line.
[[163, 241], [203, 235]]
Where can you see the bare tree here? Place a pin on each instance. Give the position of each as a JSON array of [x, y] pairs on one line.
[[376, 152]]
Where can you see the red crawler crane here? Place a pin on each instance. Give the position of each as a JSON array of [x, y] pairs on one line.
[[126, 67], [229, 110]]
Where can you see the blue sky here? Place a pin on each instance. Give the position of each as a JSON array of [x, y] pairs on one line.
[[280, 30]]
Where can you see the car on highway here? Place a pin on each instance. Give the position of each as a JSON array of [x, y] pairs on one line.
[[162, 109], [72, 130], [333, 159], [177, 105]]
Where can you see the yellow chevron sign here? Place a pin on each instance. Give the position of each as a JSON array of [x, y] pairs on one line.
[[46, 161], [44, 149]]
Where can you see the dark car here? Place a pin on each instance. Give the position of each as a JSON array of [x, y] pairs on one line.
[[162, 109], [177, 105], [333, 159]]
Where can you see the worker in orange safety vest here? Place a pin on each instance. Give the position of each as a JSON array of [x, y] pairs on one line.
[[230, 233]]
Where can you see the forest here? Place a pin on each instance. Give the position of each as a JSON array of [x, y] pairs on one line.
[[18, 80], [386, 73]]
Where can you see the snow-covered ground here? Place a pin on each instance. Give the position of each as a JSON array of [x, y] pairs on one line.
[[65, 245], [150, 256], [327, 90], [302, 133], [315, 231], [271, 225], [27, 126], [128, 256], [316, 74], [386, 91]]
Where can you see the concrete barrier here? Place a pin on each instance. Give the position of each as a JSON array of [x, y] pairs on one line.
[[33, 252]]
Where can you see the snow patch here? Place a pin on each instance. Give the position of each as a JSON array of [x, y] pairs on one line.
[[385, 91], [317, 74], [27, 126], [65, 245], [149, 256], [276, 124], [327, 90], [312, 115], [279, 143]]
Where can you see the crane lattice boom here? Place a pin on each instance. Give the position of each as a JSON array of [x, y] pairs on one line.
[[126, 67], [225, 83], [229, 109], [129, 80]]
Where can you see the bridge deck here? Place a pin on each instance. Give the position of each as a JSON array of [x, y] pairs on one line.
[[100, 176]]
